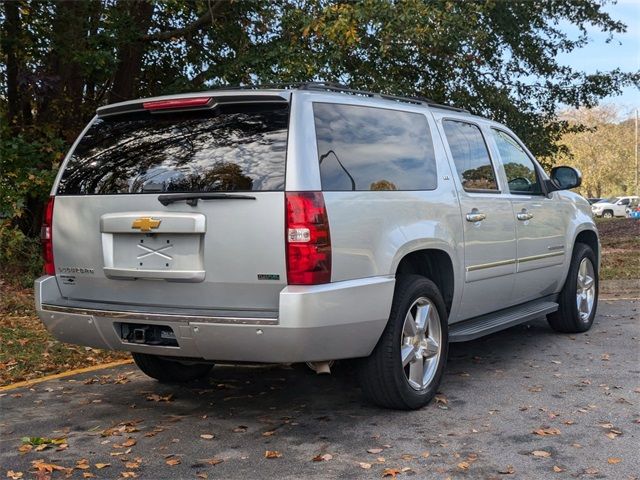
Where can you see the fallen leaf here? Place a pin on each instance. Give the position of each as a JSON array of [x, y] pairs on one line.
[[463, 465], [132, 464], [614, 460], [558, 469], [508, 470], [425, 454], [322, 458], [206, 436], [375, 450], [100, 466], [568, 422], [83, 464], [45, 468], [14, 475], [202, 475], [365, 465], [240, 429], [269, 433], [540, 453], [272, 454], [130, 442], [154, 397], [591, 471], [128, 474], [88, 475], [390, 472], [442, 402], [213, 461], [546, 431], [173, 461], [612, 434]]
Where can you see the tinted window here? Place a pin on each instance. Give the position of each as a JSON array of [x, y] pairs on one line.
[[365, 148], [232, 148], [471, 156], [521, 172]]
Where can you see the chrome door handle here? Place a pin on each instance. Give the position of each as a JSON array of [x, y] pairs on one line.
[[523, 216], [475, 216]]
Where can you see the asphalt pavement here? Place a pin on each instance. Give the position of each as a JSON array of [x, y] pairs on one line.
[[523, 403]]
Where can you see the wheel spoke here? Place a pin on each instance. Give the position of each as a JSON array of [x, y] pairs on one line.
[[587, 282], [583, 306], [409, 328], [408, 354], [432, 348], [422, 314], [416, 373]]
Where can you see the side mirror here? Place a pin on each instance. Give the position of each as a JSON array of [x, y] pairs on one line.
[[566, 178]]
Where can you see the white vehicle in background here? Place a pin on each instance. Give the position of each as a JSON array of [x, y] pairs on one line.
[[613, 207]]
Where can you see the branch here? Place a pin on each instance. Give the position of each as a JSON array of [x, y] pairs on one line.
[[187, 29]]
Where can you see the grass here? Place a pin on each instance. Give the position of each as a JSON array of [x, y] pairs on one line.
[[620, 238], [28, 351]]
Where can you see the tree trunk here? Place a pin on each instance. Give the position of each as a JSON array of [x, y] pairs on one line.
[[9, 43], [130, 53]]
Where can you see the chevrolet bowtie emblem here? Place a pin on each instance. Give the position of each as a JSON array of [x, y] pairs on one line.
[[145, 224]]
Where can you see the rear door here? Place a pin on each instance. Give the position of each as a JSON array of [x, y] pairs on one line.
[[489, 227], [176, 208]]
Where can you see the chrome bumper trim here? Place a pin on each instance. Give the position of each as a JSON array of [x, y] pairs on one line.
[[159, 316]]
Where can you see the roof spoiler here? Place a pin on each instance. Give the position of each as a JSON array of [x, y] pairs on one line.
[[181, 103]]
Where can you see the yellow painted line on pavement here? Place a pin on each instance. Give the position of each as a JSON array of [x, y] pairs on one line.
[[69, 373]]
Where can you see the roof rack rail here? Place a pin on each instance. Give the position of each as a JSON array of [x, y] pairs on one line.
[[339, 88]]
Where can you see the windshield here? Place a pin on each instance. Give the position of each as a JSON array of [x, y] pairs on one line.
[[234, 147]]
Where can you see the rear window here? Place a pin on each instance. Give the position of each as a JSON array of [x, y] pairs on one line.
[[230, 148], [368, 148]]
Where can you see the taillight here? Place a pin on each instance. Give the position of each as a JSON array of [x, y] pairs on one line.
[[307, 239], [46, 236]]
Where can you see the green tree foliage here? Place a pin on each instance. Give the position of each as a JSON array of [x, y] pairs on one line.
[[63, 59]]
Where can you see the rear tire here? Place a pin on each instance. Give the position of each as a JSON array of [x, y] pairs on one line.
[[579, 297], [170, 371], [405, 369]]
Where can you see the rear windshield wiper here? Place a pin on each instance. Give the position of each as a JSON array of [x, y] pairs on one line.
[[192, 198]]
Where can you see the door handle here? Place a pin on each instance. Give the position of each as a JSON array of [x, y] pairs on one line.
[[475, 216], [524, 215]]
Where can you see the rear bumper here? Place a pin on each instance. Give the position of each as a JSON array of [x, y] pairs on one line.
[[314, 323]]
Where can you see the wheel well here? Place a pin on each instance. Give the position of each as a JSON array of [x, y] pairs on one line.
[[589, 237], [434, 264]]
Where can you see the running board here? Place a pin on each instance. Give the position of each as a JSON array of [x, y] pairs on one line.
[[494, 322]]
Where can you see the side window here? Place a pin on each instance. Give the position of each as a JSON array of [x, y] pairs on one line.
[[367, 148], [521, 172], [471, 156]]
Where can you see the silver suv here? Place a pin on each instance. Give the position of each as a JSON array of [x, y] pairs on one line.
[[309, 224]]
